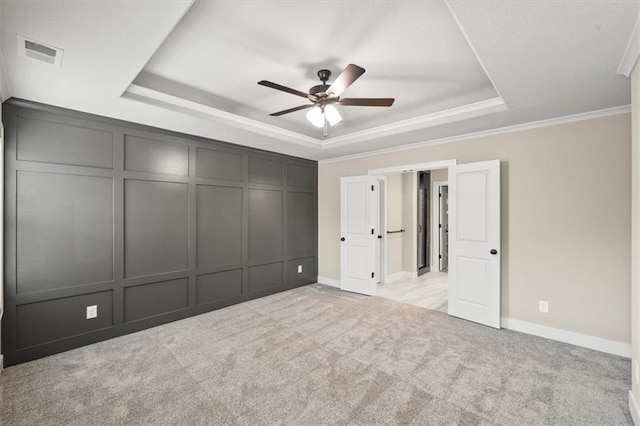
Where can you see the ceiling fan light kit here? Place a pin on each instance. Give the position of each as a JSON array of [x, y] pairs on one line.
[[332, 115], [323, 96], [316, 117]]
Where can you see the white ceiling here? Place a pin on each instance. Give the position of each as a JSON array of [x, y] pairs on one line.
[[414, 52], [454, 67]]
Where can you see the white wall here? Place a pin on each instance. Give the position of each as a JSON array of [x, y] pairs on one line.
[[394, 222], [566, 219]]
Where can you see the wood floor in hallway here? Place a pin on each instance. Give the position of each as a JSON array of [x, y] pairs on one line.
[[428, 291]]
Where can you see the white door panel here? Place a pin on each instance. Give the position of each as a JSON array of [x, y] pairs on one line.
[[357, 250], [474, 234]]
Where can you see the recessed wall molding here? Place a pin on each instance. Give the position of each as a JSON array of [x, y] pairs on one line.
[[146, 225]]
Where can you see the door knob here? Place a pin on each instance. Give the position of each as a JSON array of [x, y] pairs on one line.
[[493, 251], [342, 239], [379, 236]]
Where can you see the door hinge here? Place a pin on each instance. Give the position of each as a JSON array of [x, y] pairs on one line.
[[372, 187], [372, 232], [439, 256], [439, 194], [372, 274], [439, 225]]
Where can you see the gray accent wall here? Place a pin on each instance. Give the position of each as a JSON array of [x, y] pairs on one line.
[[150, 226]]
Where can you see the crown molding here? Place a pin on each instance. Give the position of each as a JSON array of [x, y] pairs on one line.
[[158, 97], [491, 132], [631, 53], [463, 112], [186, 106]]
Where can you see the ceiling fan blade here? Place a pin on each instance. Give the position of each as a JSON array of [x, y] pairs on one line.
[[350, 74], [287, 111], [283, 88], [376, 102]]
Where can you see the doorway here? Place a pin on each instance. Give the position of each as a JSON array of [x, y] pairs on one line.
[[440, 203], [473, 237], [424, 223], [424, 282], [410, 235]]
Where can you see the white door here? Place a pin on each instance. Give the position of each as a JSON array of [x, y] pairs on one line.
[[357, 239], [474, 242]]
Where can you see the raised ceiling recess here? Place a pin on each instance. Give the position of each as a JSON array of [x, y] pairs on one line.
[[414, 52]]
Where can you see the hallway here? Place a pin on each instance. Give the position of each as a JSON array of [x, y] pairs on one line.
[[428, 291]]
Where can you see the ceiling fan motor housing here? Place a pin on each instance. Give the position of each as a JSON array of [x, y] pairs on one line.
[[319, 92], [324, 75]]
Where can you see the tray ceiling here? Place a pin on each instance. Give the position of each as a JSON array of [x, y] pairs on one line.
[[414, 52]]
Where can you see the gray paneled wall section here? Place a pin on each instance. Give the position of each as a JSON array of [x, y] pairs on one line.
[[150, 226]]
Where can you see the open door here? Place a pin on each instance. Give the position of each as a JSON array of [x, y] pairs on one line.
[[443, 211], [474, 242], [357, 246]]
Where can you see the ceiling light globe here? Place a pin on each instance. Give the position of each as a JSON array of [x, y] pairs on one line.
[[332, 115], [316, 117]]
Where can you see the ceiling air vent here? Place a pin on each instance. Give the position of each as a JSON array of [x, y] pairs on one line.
[[39, 51]]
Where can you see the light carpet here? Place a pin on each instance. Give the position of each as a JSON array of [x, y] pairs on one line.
[[316, 355]]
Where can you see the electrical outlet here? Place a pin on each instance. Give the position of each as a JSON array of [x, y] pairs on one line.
[[635, 371], [92, 311], [543, 306], [299, 269]]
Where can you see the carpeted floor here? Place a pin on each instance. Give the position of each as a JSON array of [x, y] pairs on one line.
[[315, 355]]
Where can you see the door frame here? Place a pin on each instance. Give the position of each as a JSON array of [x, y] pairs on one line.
[[381, 221], [435, 204], [417, 167]]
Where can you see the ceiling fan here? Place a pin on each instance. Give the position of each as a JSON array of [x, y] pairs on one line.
[[323, 96]]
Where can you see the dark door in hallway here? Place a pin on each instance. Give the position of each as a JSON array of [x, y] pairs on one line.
[[423, 222]]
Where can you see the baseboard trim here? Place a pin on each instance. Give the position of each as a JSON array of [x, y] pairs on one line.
[[329, 281], [577, 339], [633, 409], [394, 277]]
